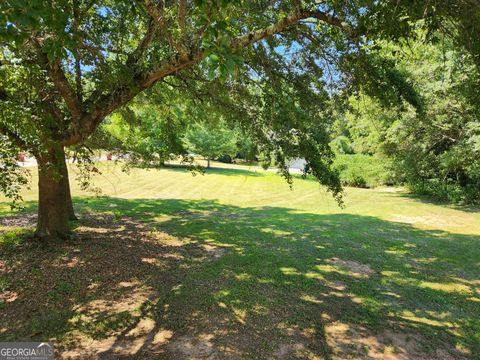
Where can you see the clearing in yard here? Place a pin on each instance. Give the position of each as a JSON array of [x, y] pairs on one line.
[[234, 264]]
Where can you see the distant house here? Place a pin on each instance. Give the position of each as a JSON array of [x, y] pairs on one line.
[[297, 164]]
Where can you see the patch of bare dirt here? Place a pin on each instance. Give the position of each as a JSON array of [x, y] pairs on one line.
[[100, 288], [16, 221], [288, 350], [214, 251], [356, 268], [353, 341], [8, 296], [189, 347], [296, 344]]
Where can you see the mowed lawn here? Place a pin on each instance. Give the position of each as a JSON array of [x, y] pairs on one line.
[[235, 265]]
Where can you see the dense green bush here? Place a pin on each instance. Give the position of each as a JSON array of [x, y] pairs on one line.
[[342, 145], [363, 171], [434, 146], [443, 191]]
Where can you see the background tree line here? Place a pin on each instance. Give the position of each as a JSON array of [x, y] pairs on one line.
[[435, 151]]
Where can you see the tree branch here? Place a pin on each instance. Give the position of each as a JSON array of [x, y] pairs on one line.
[[182, 17], [289, 20], [17, 140], [61, 84], [4, 62], [76, 53], [107, 103], [346, 28], [158, 15], [142, 46]]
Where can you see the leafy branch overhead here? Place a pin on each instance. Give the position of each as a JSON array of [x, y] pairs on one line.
[[101, 54], [96, 69]]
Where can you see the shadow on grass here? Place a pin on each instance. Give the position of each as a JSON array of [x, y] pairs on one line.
[[182, 279], [215, 170], [430, 200]]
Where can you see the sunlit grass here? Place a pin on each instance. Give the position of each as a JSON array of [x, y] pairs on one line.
[[261, 188]]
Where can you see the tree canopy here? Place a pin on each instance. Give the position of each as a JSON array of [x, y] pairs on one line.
[[211, 142]]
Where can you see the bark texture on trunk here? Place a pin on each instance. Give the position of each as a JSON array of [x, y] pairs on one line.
[[70, 211], [55, 207]]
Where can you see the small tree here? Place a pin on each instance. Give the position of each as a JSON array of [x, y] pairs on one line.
[[147, 133], [211, 141]]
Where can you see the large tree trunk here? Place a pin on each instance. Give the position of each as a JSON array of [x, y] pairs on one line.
[[54, 202], [70, 211]]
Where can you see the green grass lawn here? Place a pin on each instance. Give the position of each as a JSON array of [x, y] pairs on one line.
[[234, 264]]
